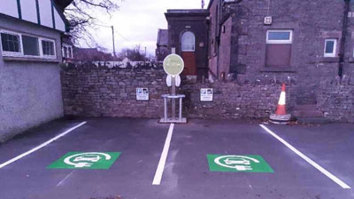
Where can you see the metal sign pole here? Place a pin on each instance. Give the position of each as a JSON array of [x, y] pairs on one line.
[[173, 92], [173, 65]]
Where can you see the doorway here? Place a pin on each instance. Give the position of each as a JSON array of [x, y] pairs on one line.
[[188, 53]]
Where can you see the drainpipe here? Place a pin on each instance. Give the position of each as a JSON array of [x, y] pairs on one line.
[[344, 38], [218, 37]]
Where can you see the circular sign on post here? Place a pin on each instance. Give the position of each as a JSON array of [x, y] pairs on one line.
[[173, 64]]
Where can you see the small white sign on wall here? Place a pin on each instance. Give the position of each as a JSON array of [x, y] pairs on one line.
[[206, 94], [268, 20], [142, 94]]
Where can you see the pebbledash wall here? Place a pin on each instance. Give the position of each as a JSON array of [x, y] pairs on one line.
[[94, 91], [30, 88]]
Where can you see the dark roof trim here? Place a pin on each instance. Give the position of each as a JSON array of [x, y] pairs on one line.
[[210, 3], [61, 14], [38, 13], [187, 12], [19, 9], [53, 15], [184, 11], [231, 1]]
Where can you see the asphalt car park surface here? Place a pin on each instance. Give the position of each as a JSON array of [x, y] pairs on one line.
[[185, 172]]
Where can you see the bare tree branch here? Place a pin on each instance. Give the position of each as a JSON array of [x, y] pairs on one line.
[[81, 17]]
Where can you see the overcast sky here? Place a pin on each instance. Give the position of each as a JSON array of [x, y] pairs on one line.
[[137, 22]]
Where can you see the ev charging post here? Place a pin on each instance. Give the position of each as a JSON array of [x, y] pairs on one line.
[[173, 65]]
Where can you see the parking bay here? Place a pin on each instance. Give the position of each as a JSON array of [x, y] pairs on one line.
[[187, 172]]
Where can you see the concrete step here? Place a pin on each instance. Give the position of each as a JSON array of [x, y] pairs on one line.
[[307, 111], [313, 120]]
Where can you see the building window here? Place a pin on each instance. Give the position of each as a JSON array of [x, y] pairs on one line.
[[279, 36], [30, 45], [48, 48], [188, 42], [67, 51], [10, 43], [278, 48], [23, 45], [330, 47]]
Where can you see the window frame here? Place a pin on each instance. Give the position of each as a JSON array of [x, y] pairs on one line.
[[21, 53], [68, 51], [194, 45], [20, 47], [334, 53], [41, 48], [288, 41]]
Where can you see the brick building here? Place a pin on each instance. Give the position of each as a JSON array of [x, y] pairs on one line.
[[304, 43], [187, 36]]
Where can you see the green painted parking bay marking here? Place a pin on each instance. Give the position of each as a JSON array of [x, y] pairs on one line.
[[238, 163], [86, 160]]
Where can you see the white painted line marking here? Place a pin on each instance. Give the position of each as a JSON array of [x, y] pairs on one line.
[[41, 146], [307, 159], [64, 180], [162, 162]]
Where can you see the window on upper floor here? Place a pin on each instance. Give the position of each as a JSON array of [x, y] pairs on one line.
[[330, 48], [30, 45], [279, 37], [23, 45], [67, 51], [278, 48], [48, 48], [10, 42]]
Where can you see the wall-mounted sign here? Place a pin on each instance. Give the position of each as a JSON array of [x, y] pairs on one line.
[[268, 20], [142, 94], [206, 94]]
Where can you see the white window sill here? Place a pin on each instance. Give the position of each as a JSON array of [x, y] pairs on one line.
[[30, 59]]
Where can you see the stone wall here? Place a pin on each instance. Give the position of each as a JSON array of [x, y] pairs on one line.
[[101, 91], [94, 91], [231, 100], [111, 92], [336, 100]]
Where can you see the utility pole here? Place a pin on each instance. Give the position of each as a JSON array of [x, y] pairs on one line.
[[114, 46]]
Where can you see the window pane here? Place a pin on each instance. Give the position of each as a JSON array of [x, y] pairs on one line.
[[329, 47], [188, 42], [65, 52], [30, 45], [70, 55], [48, 47], [278, 35], [10, 42]]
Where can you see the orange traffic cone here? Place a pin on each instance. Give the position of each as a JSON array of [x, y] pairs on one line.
[[280, 116]]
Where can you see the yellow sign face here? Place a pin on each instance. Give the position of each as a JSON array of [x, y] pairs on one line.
[[173, 64]]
